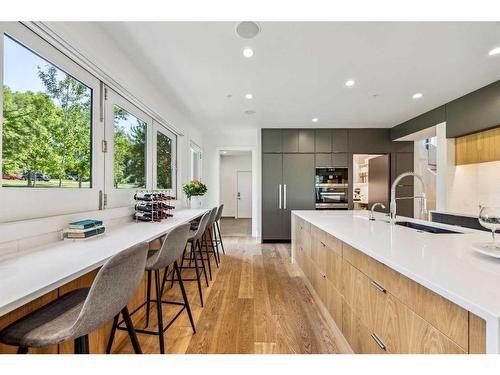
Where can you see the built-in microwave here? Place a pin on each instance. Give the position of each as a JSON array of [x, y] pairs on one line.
[[331, 185]]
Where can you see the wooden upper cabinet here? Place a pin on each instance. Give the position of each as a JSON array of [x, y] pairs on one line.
[[478, 147], [271, 140], [339, 140], [290, 139], [323, 140], [306, 140]]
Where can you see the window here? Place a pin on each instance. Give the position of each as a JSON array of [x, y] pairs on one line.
[[195, 154], [47, 122], [129, 150], [163, 161]]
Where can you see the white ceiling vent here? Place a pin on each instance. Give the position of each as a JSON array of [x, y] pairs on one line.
[[248, 29]]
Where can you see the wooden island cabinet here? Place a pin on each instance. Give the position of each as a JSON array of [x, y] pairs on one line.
[[377, 309]]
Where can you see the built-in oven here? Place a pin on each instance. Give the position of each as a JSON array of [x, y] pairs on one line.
[[331, 188]]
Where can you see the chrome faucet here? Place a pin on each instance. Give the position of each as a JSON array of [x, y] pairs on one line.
[[423, 199], [372, 213]]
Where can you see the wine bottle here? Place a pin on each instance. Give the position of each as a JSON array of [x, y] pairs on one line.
[[143, 196]]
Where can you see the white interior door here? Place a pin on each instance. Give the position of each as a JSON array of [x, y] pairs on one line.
[[243, 194]]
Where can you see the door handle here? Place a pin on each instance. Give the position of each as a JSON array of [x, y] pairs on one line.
[[284, 199], [378, 341], [279, 196], [238, 196]]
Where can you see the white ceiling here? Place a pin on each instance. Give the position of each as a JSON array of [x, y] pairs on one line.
[[299, 69]]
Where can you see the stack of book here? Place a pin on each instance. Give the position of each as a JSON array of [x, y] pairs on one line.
[[83, 229]]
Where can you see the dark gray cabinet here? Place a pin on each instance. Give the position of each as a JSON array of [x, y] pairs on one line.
[[272, 190], [271, 140], [298, 187], [287, 184], [339, 159], [340, 141], [306, 140], [323, 140], [323, 160], [290, 139]]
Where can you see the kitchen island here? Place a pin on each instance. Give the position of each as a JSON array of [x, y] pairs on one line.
[[393, 289]]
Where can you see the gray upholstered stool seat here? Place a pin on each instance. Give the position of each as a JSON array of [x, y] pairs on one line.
[[49, 325], [74, 315]]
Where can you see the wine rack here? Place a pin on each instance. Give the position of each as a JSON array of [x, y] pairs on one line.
[[153, 205]]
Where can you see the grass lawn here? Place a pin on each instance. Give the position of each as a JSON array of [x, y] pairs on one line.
[[42, 184]]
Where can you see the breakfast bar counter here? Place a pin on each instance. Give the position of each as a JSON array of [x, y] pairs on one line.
[[32, 275]]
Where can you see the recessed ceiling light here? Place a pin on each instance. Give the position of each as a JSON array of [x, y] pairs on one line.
[[494, 51], [224, 152], [315, 119], [350, 83], [248, 52], [418, 95], [248, 96], [248, 29], [250, 112]]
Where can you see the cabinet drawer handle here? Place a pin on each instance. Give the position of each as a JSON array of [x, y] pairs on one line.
[[323, 275], [322, 243], [378, 341], [379, 287]]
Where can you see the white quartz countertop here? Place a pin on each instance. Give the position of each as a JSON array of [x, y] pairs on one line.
[[27, 277], [444, 263]]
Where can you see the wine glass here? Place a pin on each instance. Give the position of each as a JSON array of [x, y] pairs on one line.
[[489, 217]]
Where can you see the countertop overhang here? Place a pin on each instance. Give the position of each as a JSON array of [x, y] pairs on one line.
[[444, 263]]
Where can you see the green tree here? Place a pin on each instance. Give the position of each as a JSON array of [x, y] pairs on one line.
[[27, 142], [164, 161], [72, 135]]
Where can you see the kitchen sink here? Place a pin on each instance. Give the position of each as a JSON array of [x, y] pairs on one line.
[[425, 228]]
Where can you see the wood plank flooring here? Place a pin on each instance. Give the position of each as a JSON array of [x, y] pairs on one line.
[[257, 302], [232, 227]]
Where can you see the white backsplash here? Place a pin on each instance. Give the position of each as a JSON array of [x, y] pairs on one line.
[[473, 185]]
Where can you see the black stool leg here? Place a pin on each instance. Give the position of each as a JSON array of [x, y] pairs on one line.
[[213, 248], [131, 331], [204, 242], [184, 296], [198, 245], [165, 273], [112, 334], [148, 299], [197, 274], [22, 350], [82, 345], [159, 311], [220, 238]]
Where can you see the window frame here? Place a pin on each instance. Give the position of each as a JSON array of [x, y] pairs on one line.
[[120, 197], [79, 199], [158, 127]]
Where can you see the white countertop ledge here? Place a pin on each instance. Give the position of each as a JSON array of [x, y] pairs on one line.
[[46, 268], [444, 263]]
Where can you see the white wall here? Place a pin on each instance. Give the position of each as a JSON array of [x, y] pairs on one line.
[[229, 166], [239, 139]]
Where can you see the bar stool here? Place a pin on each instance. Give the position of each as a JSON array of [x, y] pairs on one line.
[[207, 239], [195, 249], [217, 228], [172, 246], [79, 312]]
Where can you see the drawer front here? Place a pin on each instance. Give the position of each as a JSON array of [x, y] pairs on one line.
[[318, 248], [334, 267], [404, 332], [446, 316], [357, 333], [318, 281], [334, 303]]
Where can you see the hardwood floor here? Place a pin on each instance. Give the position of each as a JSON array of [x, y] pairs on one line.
[[256, 303], [231, 227]]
